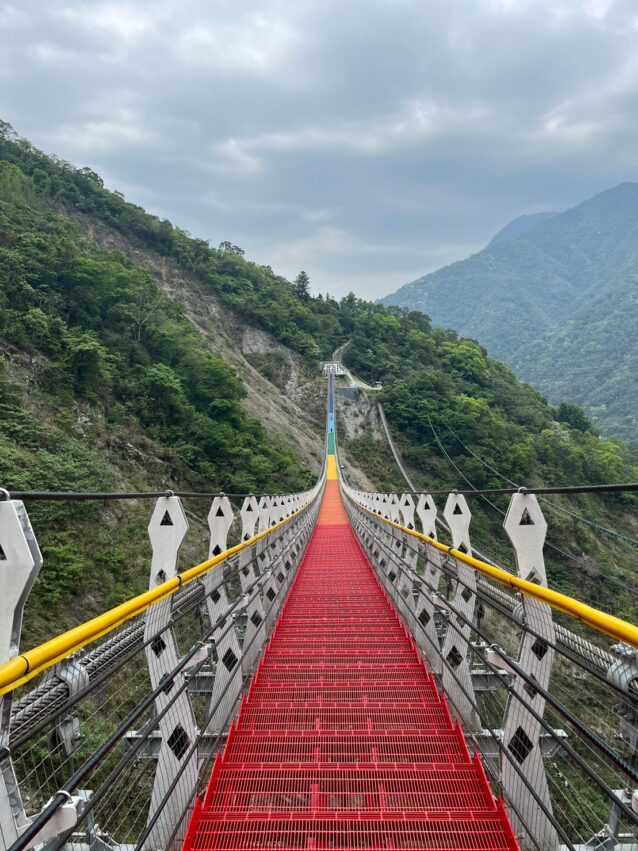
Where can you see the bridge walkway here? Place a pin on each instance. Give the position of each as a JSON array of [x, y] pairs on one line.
[[343, 740]]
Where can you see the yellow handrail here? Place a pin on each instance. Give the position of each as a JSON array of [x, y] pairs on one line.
[[27, 665], [600, 621]]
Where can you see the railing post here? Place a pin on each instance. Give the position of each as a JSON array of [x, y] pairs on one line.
[[228, 672], [273, 548], [255, 631], [167, 530], [405, 583], [20, 563], [458, 685], [526, 528], [425, 609]]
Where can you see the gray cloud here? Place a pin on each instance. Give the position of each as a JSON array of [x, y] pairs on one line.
[[367, 141]]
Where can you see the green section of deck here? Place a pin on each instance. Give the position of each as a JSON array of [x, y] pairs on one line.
[[331, 444]]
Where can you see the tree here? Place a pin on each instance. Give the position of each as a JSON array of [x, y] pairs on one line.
[[302, 286], [227, 247], [574, 416]]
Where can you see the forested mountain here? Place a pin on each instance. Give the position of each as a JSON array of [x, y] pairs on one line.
[[518, 226], [543, 298], [114, 375]]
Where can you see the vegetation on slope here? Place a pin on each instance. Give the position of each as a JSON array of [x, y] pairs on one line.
[[97, 358], [567, 281], [433, 379], [89, 336], [592, 360]]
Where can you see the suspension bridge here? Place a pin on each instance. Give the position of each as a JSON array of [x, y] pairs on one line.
[[337, 678]]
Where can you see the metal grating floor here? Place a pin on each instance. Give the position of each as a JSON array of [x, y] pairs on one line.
[[343, 741]]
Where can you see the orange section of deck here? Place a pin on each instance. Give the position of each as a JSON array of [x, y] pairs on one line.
[[332, 512]]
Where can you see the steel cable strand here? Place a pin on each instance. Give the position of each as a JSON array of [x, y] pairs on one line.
[[559, 508], [480, 493]]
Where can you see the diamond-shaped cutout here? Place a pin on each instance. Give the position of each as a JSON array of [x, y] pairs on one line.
[[158, 645], [216, 550], [462, 549], [229, 659], [539, 648], [529, 688], [520, 745], [246, 536], [424, 617], [256, 619], [270, 594], [526, 519], [392, 576], [466, 594], [454, 657], [280, 576], [215, 596], [168, 681], [178, 741], [166, 520]]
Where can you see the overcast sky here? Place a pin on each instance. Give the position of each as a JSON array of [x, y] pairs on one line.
[[366, 141]]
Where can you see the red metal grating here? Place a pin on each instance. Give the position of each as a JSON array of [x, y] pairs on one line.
[[343, 741]]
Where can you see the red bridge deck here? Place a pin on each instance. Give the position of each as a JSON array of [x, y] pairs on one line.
[[343, 741]]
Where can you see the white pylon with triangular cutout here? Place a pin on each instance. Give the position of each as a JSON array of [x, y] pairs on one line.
[[428, 638], [456, 671], [405, 583], [255, 631], [228, 680], [167, 529], [20, 563], [526, 528]]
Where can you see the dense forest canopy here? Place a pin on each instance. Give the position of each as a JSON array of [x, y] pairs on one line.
[[554, 295]]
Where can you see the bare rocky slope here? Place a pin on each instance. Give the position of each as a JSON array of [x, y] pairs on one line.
[[282, 392]]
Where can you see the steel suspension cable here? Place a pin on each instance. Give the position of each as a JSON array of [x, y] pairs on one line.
[[559, 508], [552, 546]]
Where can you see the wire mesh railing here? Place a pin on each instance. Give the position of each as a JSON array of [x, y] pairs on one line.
[[108, 743], [550, 703]]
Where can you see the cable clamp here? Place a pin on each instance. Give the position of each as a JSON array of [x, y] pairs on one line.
[[65, 794], [5, 496]]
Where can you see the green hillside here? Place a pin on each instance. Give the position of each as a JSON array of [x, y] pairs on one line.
[[592, 360], [518, 297], [107, 384]]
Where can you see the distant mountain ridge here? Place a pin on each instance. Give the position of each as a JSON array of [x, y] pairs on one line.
[[543, 301], [520, 225]]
